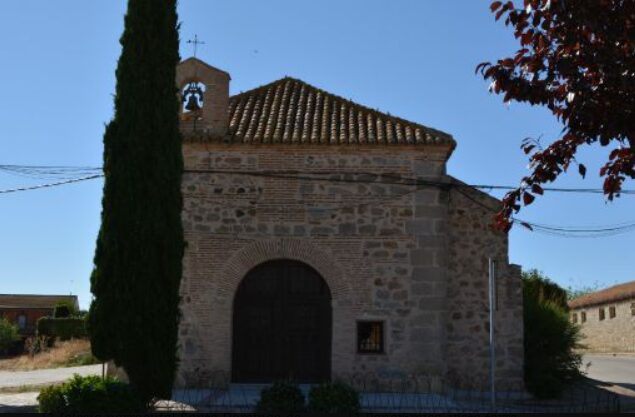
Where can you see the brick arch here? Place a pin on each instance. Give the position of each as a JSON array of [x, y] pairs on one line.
[[252, 255]]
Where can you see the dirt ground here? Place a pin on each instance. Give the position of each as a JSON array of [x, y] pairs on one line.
[[74, 352]]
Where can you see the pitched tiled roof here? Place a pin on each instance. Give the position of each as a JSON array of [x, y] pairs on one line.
[[292, 111], [34, 300], [611, 294]]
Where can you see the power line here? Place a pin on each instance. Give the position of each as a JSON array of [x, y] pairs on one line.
[[71, 174], [54, 184], [571, 232]]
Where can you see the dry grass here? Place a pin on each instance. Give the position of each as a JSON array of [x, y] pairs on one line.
[[74, 352]]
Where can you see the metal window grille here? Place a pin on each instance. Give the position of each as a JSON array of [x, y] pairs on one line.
[[601, 312], [370, 337]]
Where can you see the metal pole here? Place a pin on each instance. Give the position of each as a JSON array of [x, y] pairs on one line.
[[492, 346]]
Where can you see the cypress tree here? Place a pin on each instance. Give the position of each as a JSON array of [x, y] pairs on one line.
[[134, 316]]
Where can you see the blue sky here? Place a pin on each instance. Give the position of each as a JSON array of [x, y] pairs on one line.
[[413, 58]]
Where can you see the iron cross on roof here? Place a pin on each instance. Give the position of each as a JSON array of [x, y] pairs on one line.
[[196, 43]]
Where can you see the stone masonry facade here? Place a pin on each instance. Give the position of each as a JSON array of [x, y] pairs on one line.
[[412, 256], [608, 327], [416, 260]]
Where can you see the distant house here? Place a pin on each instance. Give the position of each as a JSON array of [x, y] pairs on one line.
[[607, 318], [25, 309]]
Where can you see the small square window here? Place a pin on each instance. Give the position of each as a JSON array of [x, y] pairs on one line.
[[370, 337], [583, 316], [574, 317], [612, 312], [601, 315]]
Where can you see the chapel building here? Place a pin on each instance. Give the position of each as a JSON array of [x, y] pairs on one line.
[[326, 238]]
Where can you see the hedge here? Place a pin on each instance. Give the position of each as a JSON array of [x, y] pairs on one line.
[[282, 397], [334, 397], [90, 394], [62, 328]]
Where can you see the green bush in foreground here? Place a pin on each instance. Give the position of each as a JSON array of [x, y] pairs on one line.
[[90, 394], [333, 397], [281, 397], [551, 360]]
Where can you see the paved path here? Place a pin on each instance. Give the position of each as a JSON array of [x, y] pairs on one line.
[[617, 372], [619, 369], [24, 402], [27, 401], [44, 376]]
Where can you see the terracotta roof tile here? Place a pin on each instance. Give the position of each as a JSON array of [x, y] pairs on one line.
[[292, 111], [611, 294]]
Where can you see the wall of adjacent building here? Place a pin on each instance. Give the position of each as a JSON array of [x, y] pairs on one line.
[[611, 335]]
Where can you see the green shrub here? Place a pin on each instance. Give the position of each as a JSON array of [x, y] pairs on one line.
[[281, 397], [90, 394], [538, 286], [9, 334], [81, 359], [61, 312], [62, 328], [64, 309], [551, 361], [335, 397], [51, 400]]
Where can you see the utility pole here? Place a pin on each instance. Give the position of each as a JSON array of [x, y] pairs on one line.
[[492, 341]]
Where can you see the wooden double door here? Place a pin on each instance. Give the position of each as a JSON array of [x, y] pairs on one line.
[[282, 325]]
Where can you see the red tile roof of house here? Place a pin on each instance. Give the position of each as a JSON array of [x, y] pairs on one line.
[[34, 300], [292, 111], [616, 293]]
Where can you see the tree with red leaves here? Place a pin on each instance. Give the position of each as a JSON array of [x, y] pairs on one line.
[[577, 57]]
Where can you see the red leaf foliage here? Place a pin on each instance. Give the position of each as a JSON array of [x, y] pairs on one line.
[[537, 189], [528, 198], [577, 58]]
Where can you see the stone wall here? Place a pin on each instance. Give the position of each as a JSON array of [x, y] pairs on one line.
[[472, 242], [611, 335], [383, 249]]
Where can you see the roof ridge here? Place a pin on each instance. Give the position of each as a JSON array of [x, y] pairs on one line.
[[615, 292], [374, 112]]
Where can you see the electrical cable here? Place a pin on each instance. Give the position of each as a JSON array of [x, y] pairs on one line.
[[73, 174]]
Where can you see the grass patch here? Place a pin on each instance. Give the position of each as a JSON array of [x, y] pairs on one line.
[[74, 352], [26, 388]]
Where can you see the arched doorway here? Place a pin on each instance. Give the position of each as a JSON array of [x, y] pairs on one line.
[[282, 324]]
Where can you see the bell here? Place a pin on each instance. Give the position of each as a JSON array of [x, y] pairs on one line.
[[192, 103]]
